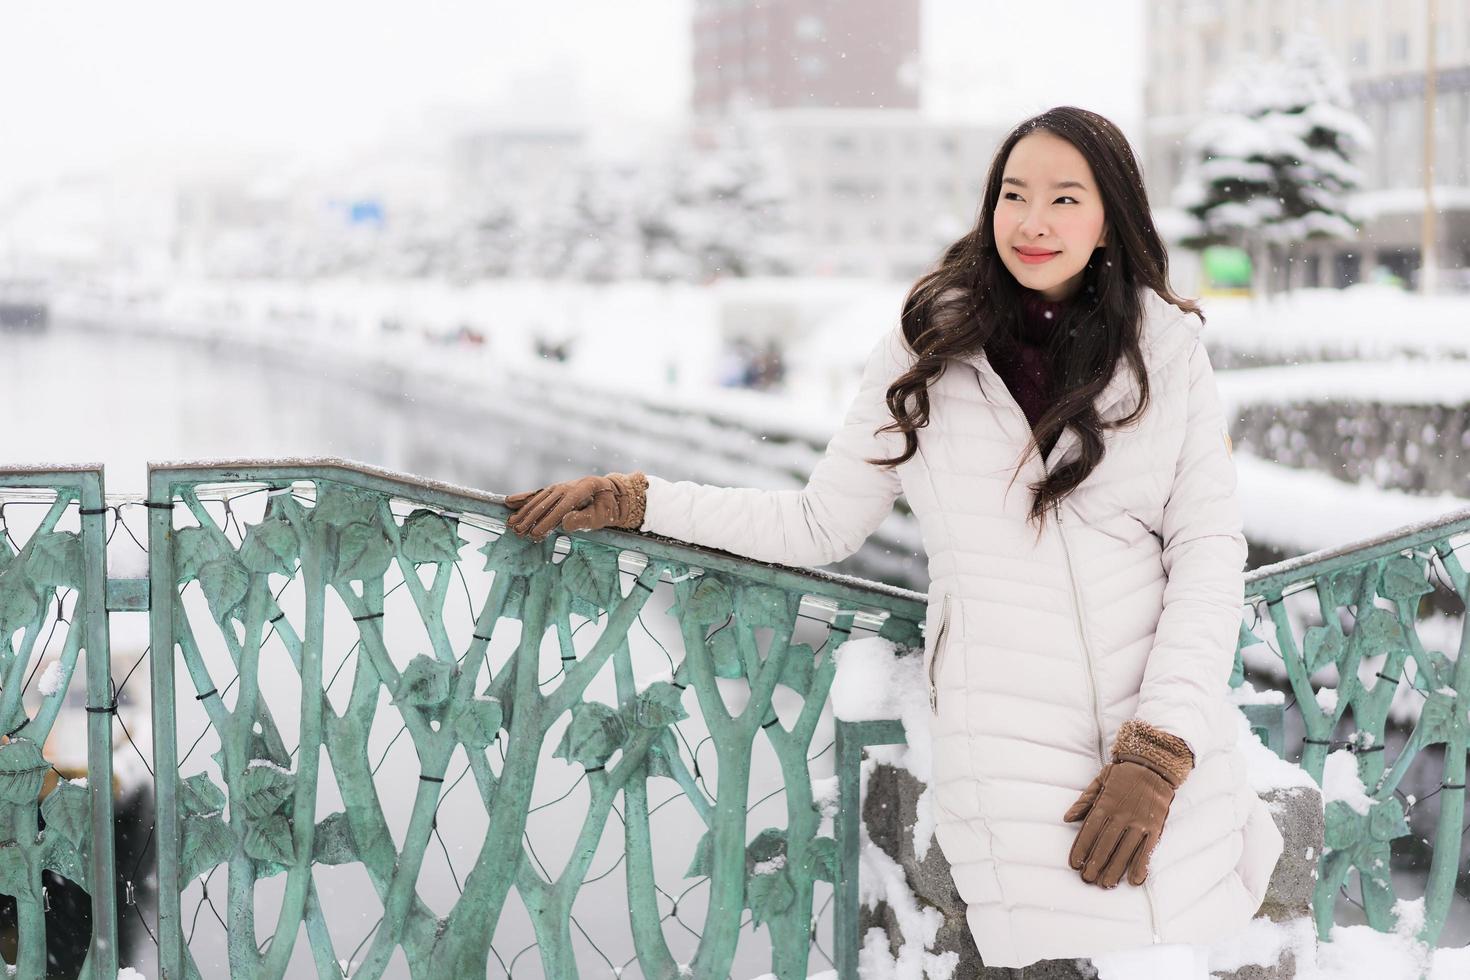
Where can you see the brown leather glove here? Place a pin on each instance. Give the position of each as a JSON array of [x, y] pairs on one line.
[[1126, 803], [584, 504]]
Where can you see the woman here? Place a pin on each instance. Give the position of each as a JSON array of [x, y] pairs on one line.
[[1080, 631]]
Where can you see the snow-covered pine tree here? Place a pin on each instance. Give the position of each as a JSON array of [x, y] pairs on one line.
[[723, 210], [603, 242], [484, 239], [572, 229], [1273, 164], [707, 203]]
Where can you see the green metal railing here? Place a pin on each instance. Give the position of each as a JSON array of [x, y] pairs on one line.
[[374, 718], [1360, 609], [53, 589], [375, 552]]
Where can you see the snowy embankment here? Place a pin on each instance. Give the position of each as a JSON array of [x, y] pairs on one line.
[[646, 357], [645, 361], [1400, 381], [643, 369], [1361, 323], [873, 683], [1298, 511], [1366, 344]]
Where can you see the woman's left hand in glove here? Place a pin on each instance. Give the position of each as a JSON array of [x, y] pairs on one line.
[[1124, 807], [583, 504]]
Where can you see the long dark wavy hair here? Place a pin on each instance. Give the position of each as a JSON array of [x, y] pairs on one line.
[[970, 302]]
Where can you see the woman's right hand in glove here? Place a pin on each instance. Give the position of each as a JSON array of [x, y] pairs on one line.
[[1124, 808], [583, 504]]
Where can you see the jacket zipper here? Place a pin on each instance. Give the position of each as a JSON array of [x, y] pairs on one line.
[[934, 660], [1086, 652], [1082, 638], [1092, 694]]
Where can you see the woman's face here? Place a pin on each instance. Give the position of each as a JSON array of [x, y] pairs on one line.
[[1048, 204]]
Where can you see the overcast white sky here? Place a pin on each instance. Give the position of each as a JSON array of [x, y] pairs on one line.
[[90, 83]]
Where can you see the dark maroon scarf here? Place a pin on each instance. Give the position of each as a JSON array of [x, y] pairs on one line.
[[1021, 362]]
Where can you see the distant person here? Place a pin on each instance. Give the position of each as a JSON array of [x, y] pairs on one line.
[[737, 365], [764, 368], [1081, 626]]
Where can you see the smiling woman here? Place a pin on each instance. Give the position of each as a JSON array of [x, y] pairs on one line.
[[1046, 237], [1066, 183], [1079, 638]]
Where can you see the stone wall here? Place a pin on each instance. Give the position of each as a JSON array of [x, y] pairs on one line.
[[1413, 448]]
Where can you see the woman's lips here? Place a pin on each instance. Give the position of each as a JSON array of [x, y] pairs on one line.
[[1036, 259]]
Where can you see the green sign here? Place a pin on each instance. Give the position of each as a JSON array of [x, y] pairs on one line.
[[1226, 266]]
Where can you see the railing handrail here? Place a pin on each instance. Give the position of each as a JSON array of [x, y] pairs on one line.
[[1268, 581], [1261, 582], [235, 470]]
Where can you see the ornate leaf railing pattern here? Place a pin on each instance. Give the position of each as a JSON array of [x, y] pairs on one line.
[[331, 540], [256, 570], [1369, 604], [52, 595]]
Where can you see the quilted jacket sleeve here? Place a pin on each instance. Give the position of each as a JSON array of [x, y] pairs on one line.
[[1188, 671], [844, 501]]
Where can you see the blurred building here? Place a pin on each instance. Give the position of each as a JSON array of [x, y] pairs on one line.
[[781, 54], [878, 193], [832, 85], [220, 224], [271, 218], [520, 159], [74, 225], [1381, 46]]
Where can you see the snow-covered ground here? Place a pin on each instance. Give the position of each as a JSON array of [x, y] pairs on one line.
[[1362, 322], [1299, 511], [1395, 381]]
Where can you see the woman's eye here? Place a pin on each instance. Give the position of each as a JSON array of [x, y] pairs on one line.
[[1065, 197]]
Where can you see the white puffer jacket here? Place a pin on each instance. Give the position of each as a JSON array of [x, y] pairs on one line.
[[1039, 650]]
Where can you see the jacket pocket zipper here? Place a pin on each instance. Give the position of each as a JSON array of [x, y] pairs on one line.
[[934, 660]]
